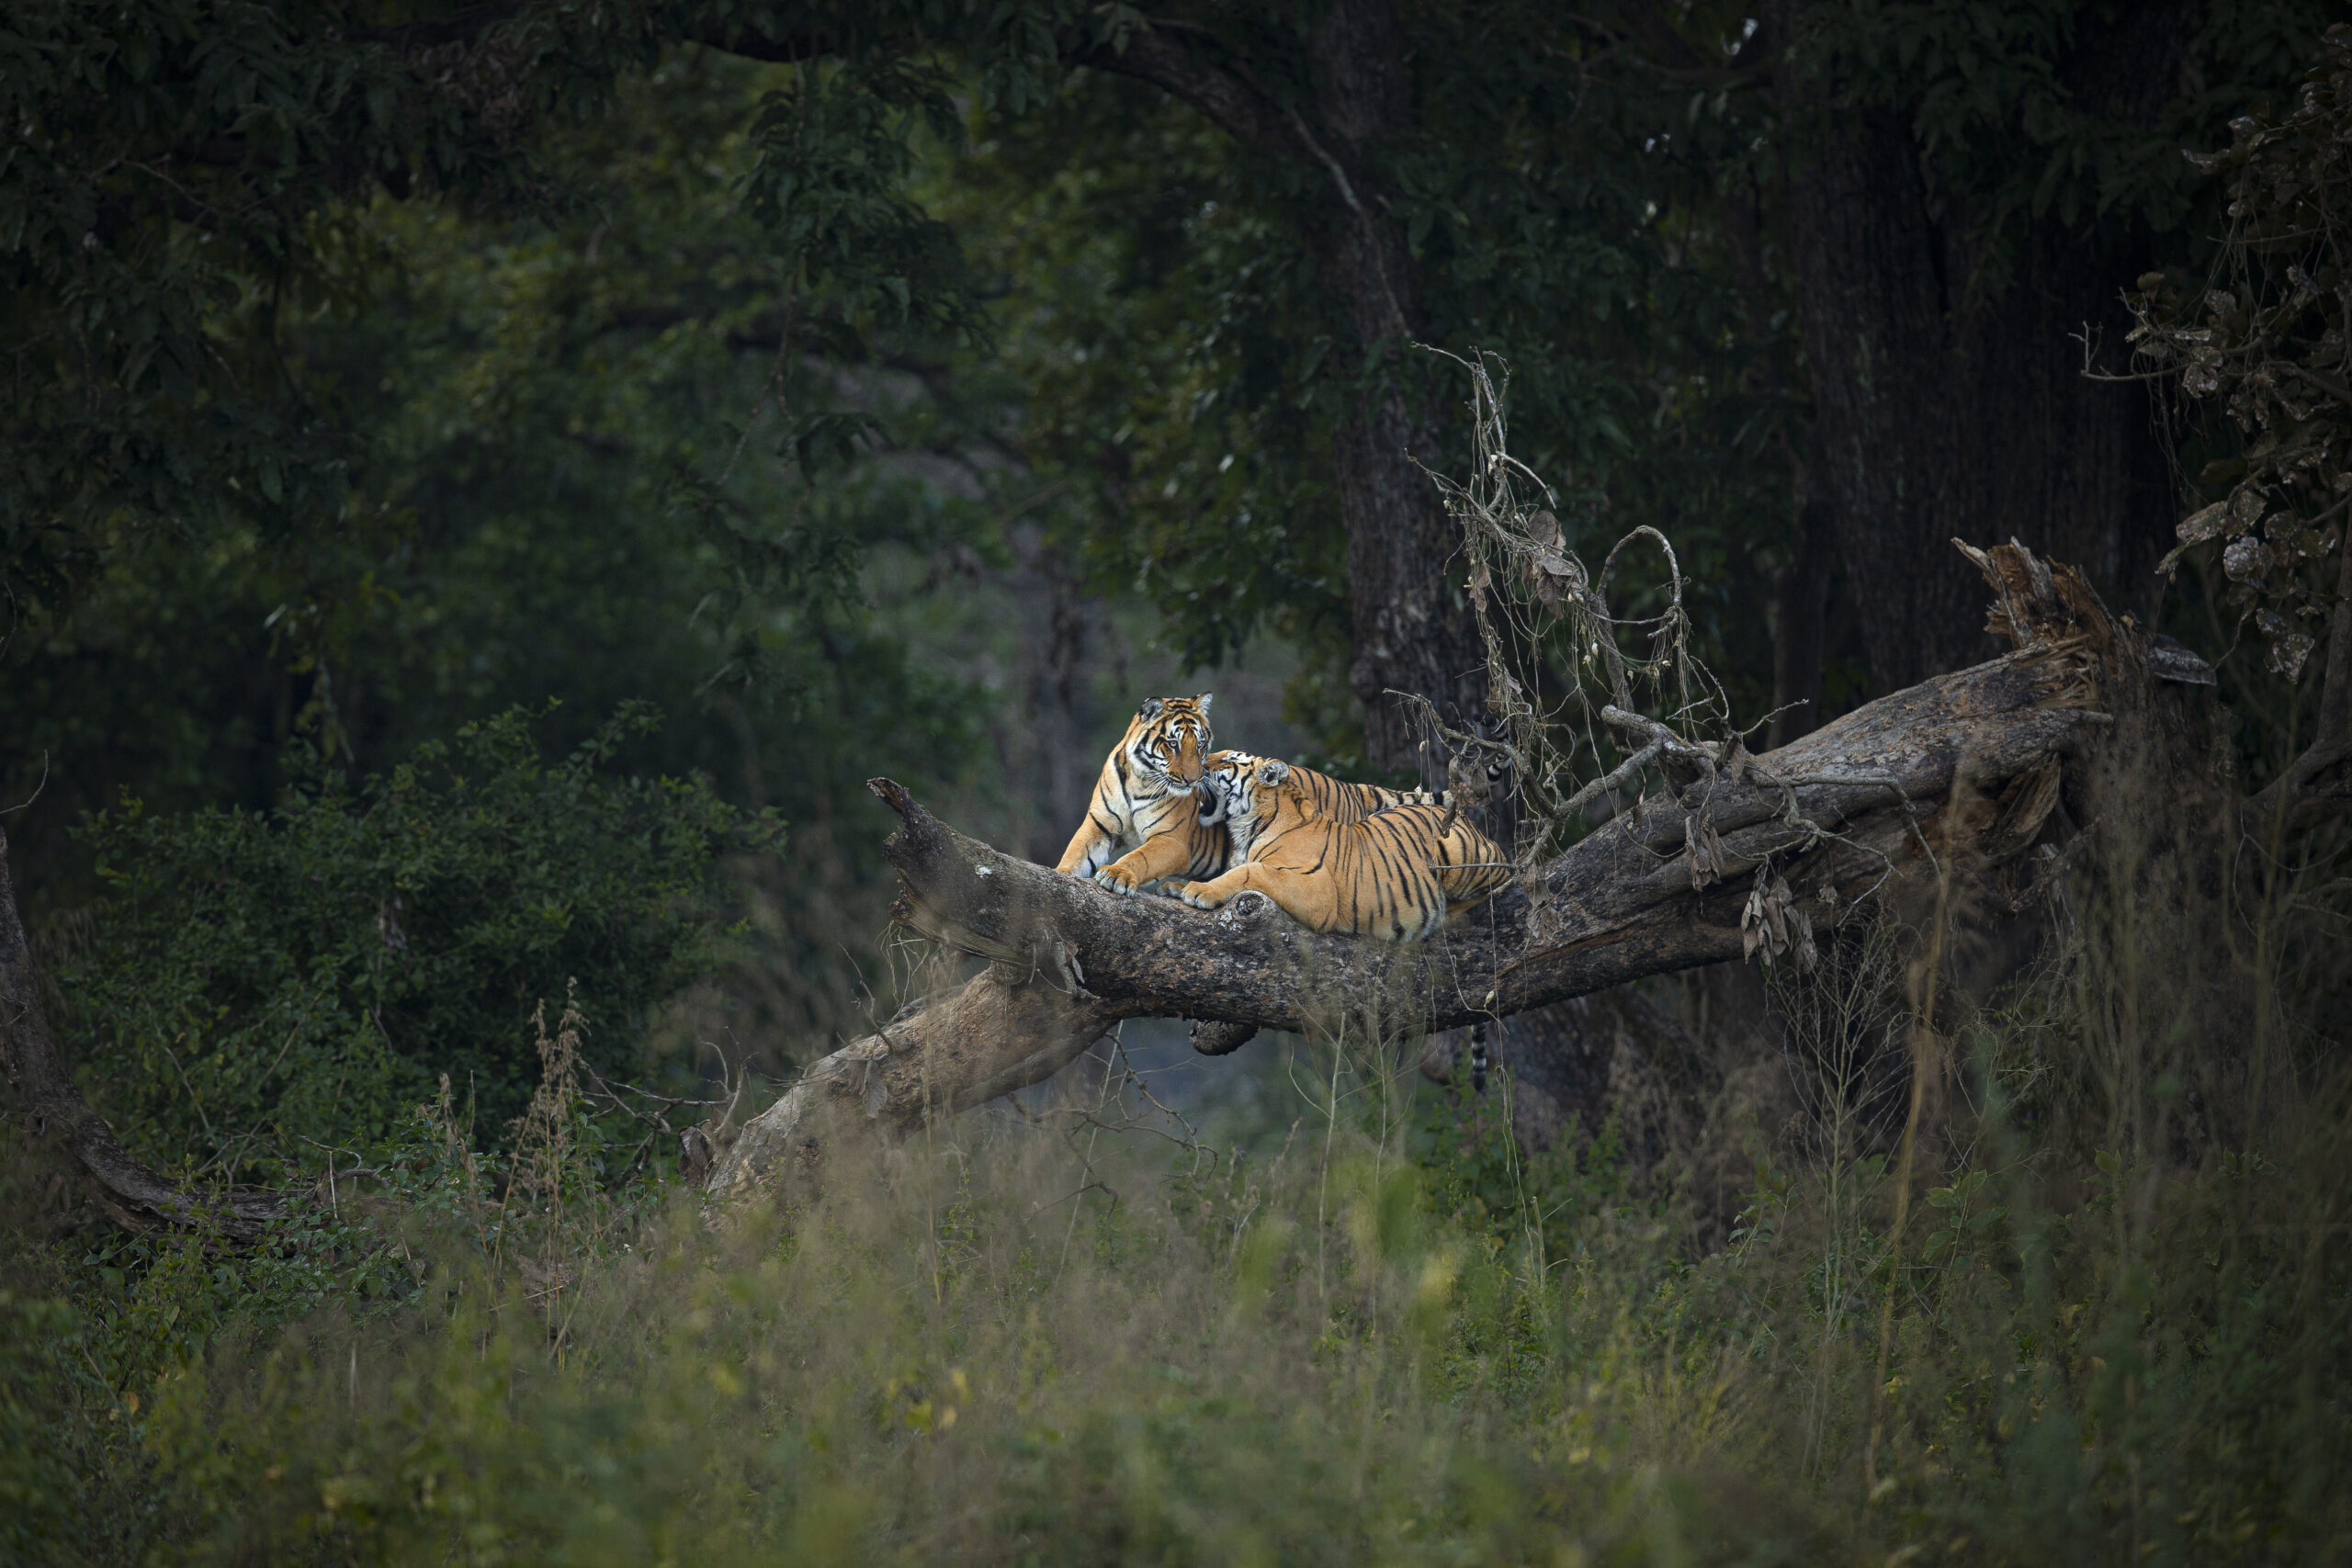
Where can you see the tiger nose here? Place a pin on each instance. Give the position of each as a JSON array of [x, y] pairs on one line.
[[1186, 769]]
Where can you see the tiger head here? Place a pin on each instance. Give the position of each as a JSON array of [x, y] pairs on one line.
[[1242, 792], [1168, 738], [1220, 777]]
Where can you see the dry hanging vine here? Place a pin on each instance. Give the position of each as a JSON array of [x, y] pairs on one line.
[[1533, 599]]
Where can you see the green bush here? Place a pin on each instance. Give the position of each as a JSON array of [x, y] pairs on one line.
[[256, 985]]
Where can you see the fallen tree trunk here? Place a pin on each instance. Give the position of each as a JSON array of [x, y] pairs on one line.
[[1922, 793]]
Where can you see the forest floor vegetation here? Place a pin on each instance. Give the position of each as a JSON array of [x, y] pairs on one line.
[[1389, 1335]]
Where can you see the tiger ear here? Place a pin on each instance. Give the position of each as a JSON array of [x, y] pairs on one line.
[[1202, 701], [1152, 707], [1273, 774]]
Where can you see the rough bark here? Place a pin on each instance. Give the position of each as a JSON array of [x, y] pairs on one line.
[[2335, 696], [1009, 1026], [1950, 399], [1410, 632], [1800, 608]]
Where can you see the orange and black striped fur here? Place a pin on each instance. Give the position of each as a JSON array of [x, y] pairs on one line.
[[1398, 873], [1144, 824], [1332, 798]]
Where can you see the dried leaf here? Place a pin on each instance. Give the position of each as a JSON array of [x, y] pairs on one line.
[[2203, 524], [1706, 847], [1772, 924], [2289, 654], [2247, 559]]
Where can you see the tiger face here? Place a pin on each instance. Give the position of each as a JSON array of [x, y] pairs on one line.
[[1242, 792], [1220, 777], [1168, 738]]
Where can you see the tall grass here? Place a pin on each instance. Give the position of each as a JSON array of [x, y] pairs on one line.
[[2108, 1324]]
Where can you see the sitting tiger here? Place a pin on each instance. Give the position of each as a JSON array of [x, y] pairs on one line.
[[1398, 873], [1146, 812]]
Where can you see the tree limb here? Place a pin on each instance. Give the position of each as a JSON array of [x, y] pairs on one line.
[[1184, 66]]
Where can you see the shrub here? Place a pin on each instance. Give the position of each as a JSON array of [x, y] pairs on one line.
[[257, 981]]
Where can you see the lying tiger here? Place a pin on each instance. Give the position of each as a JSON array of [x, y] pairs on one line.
[[1396, 872], [1334, 799], [1144, 824]]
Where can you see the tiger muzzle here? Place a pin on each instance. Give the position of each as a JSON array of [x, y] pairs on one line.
[[1184, 768]]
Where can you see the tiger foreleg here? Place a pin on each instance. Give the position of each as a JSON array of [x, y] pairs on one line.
[[1090, 848], [1156, 859], [1291, 892]]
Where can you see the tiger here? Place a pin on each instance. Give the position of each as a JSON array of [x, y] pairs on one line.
[[1147, 805], [1396, 874]]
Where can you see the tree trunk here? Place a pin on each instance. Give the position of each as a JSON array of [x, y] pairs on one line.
[[1950, 399], [1800, 618], [1410, 631]]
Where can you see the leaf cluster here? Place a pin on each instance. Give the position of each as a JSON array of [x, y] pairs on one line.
[[2268, 338], [175, 173]]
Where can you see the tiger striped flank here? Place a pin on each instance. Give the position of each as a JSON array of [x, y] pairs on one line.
[[1397, 872]]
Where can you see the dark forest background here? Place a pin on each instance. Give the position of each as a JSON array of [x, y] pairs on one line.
[[485, 486], [908, 390]]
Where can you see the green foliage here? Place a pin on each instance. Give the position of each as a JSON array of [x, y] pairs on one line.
[[37, 1382], [1320, 1355], [577, 484], [258, 985], [829, 186], [1179, 376], [2265, 337], [175, 171]]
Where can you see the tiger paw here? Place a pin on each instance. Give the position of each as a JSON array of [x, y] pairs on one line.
[[1195, 894], [1117, 881]]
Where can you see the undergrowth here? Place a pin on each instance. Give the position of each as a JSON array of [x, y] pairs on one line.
[[1397, 1336]]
